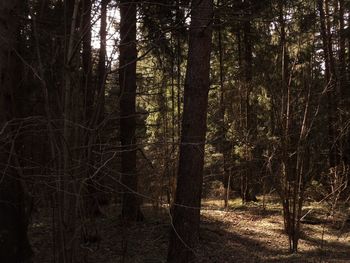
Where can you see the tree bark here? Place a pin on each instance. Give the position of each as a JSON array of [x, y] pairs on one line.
[[127, 80], [14, 244], [343, 80], [87, 62], [248, 191], [330, 75], [186, 212], [223, 143], [67, 189], [102, 61], [96, 117]]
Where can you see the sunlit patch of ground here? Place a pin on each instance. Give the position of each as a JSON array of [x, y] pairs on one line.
[[254, 233], [242, 233]]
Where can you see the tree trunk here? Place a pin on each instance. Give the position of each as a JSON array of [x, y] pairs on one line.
[[102, 61], [223, 142], [87, 61], [248, 191], [186, 211], [67, 189], [14, 244], [343, 80], [247, 123], [95, 118], [127, 80], [330, 80]]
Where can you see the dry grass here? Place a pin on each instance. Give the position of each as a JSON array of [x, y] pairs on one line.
[[243, 233]]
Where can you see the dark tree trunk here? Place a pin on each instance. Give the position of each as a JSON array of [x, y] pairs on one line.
[[14, 244], [186, 210], [95, 118], [249, 189], [87, 62], [127, 81], [343, 80], [323, 9], [223, 143], [67, 195], [346, 91], [342, 51], [102, 61]]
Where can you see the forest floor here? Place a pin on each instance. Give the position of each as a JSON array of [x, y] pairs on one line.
[[243, 233]]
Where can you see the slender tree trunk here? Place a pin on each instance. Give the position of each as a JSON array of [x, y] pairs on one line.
[[176, 101], [96, 117], [288, 165], [178, 61], [87, 61], [178, 69], [342, 52], [102, 61], [66, 224], [343, 81], [248, 191], [127, 80], [172, 176], [330, 75], [186, 212], [88, 105], [222, 120], [14, 244], [346, 94], [223, 142]]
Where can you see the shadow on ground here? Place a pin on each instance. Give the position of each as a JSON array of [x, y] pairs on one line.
[[233, 236]]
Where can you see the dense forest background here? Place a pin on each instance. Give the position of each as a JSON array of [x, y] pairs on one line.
[[117, 117]]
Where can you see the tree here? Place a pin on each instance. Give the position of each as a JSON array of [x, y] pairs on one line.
[[247, 185], [95, 109], [186, 210], [87, 60], [330, 79], [127, 81], [102, 62], [14, 244]]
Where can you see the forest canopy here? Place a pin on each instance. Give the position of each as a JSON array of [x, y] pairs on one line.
[[185, 117]]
